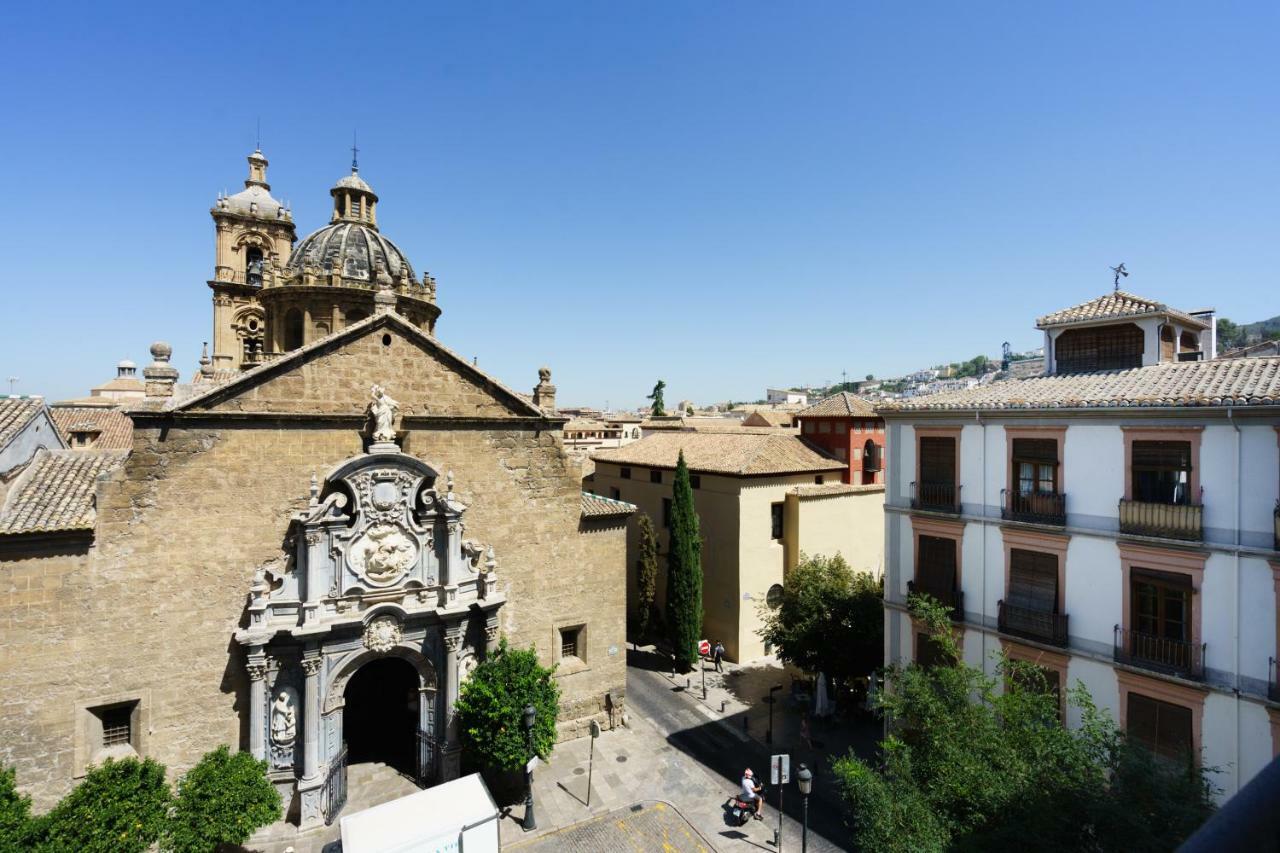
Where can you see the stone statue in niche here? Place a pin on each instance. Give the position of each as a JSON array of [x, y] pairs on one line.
[[383, 410], [284, 727], [383, 553]]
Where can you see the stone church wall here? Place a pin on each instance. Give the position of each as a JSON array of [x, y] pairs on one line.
[[200, 505]]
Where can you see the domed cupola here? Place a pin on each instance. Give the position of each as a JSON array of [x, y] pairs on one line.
[[332, 274]]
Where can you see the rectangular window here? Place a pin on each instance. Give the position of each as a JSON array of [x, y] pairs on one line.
[[1161, 604], [1033, 580], [666, 513], [843, 455], [695, 481], [616, 494], [824, 426], [569, 642], [1035, 463], [1161, 472], [841, 427], [818, 480], [655, 476], [936, 569], [808, 426], [625, 473], [776, 520], [938, 460], [1162, 727], [117, 726]]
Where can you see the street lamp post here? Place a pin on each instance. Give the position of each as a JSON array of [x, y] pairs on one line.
[[768, 738], [530, 714], [804, 779]]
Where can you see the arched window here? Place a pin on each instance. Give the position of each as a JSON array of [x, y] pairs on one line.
[[292, 329], [253, 265]]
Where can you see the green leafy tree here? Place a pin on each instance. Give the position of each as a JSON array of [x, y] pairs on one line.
[[658, 409], [647, 576], [1230, 335], [491, 705], [970, 766], [120, 807], [684, 572], [870, 377], [221, 800], [15, 813], [831, 618]]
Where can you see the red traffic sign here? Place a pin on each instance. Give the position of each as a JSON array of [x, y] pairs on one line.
[[704, 647]]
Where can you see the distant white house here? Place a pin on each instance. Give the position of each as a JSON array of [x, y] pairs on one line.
[[786, 397]]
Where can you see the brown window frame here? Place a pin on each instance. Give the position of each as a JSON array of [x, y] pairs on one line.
[[1163, 587]]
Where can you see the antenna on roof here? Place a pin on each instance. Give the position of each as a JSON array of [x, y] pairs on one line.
[[355, 165], [257, 135], [1119, 271]]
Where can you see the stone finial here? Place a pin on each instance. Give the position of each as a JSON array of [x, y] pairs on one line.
[[315, 489], [544, 393], [206, 363], [160, 376], [384, 301]]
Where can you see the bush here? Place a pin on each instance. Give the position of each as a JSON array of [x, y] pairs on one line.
[[491, 705], [221, 800], [15, 813], [120, 807]]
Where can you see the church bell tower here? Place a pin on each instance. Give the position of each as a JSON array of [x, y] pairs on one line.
[[254, 235]]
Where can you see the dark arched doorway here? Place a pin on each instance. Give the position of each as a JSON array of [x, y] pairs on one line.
[[380, 718]]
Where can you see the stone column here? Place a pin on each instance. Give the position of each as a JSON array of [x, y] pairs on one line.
[[311, 716], [451, 746], [257, 667]]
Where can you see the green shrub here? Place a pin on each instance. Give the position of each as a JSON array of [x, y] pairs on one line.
[[221, 800], [120, 807], [491, 705], [15, 813]]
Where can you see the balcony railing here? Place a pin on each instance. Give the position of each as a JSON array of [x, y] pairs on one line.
[[1191, 355], [1032, 624], [1171, 521], [1035, 507], [938, 497], [1160, 654], [952, 599]]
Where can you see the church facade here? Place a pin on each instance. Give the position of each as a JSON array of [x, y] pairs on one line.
[[311, 544]]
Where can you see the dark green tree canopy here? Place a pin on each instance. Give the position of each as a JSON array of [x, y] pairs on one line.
[[684, 571], [491, 707], [118, 808], [647, 579], [658, 409], [221, 800]]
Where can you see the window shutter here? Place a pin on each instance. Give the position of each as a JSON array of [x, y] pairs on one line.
[[937, 569], [1165, 455], [1042, 450], [1143, 716], [937, 460], [1033, 580]]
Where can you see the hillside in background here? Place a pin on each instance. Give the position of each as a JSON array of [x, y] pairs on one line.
[[1232, 335]]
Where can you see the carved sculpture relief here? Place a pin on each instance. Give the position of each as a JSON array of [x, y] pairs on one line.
[[284, 727], [383, 634], [383, 410], [382, 554]]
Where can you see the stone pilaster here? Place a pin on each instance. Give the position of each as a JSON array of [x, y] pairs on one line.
[[311, 786], [257, 668]]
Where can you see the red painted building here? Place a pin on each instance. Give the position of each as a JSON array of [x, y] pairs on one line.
[[847, 427]]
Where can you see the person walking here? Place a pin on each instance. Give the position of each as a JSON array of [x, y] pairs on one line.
[[718, 655]]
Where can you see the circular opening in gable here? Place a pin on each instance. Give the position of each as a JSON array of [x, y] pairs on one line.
[[386, 340]]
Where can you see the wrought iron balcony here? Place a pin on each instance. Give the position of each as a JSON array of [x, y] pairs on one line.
[[1191, 355], [1032, 624], [1035, 507], [938, 497], [1160, 654], [1172, 521], [952, 599]]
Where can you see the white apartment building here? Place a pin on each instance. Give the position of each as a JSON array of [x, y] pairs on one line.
[[785, 397], [1114, 521]]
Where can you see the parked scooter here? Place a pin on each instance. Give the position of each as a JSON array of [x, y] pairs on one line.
[[738, 811]]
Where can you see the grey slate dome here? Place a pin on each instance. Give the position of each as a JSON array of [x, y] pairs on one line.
[[356, 247]]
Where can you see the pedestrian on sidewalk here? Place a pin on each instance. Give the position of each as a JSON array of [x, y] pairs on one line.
[[718, 653]]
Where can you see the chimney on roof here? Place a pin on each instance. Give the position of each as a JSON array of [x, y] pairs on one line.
[[160, 376], [544, 393], [1208, 338]]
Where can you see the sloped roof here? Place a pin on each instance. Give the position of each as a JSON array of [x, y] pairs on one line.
[[770, 418], [203, 393], [841, 404], [739, 453], [595, 506], [1220, 382], [56, 492], [16, 413], [115, 428], [1112, 306]]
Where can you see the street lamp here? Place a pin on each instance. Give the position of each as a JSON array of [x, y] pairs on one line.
[[804, 779], [530, 714]]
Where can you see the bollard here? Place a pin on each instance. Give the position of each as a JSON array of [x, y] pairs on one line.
[[686, 682], [722, 701]]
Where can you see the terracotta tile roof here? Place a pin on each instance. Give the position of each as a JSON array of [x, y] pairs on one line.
[[114, 427], [770, 417], [826, 489], [743, 452], [1220, 382], [57, 491], [1113, 306], [594, 506], [839, 405], [15, 413]]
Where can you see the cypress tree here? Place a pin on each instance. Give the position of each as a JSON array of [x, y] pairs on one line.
[[684, 571], [647, 581]]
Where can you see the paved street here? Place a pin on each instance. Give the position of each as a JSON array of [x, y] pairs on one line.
[[644, 826]]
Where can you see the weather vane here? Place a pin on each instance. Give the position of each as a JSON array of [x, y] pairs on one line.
[[355, 167], [1119, 271]]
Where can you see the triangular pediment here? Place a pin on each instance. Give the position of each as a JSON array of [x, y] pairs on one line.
[[334, 375]]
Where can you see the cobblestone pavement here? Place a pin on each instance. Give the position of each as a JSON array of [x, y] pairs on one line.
[[643, 826]]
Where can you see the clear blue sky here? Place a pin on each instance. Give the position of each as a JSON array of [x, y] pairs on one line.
[[726, 195]]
